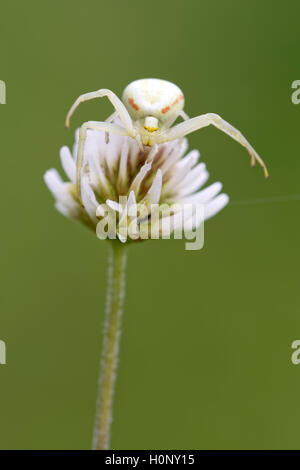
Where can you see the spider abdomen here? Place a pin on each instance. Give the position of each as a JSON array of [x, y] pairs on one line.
[[153, 97]]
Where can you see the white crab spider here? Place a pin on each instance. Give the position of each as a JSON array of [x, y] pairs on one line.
[[147, 111]]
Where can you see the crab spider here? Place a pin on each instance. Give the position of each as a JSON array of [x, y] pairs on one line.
[[147, 111]]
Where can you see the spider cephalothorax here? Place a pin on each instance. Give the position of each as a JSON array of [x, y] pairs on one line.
[[153, 106], [147, 111]]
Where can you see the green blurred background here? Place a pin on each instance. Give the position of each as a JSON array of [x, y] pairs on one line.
[[206, 345]]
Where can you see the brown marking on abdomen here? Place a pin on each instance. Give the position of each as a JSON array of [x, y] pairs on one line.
[[133, 104], [167, 108]]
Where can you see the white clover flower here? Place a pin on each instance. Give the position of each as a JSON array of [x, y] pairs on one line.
[[116, 170], [131, 178]]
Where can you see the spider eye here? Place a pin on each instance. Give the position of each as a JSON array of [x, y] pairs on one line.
[[151, 124]]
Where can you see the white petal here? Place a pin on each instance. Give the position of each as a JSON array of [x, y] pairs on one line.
[[193, 181], [100, 212], [68, 163], [182, 169], [134, 151], [88, 199], [98, 178], [189, 160], [54, 182], [68, 211], [173, 151], [115, 206], [131, 201], [135, 186], [153, 195], [204, 195], [95, 141], [128, 217], [123, 175], [62, 192], [152, 153], [215, 206], [92, 156], [62, 209], [112, 152], [121, 237]]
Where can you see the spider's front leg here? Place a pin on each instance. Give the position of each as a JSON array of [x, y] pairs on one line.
[[100, 126], [191, 125], [121, 111]]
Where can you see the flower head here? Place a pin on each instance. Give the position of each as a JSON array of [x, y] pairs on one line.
[[117, 176]]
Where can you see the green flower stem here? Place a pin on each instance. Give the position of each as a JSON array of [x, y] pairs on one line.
[[111, 342]]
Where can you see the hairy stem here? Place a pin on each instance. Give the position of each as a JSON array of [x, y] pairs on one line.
[[111, 342]]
